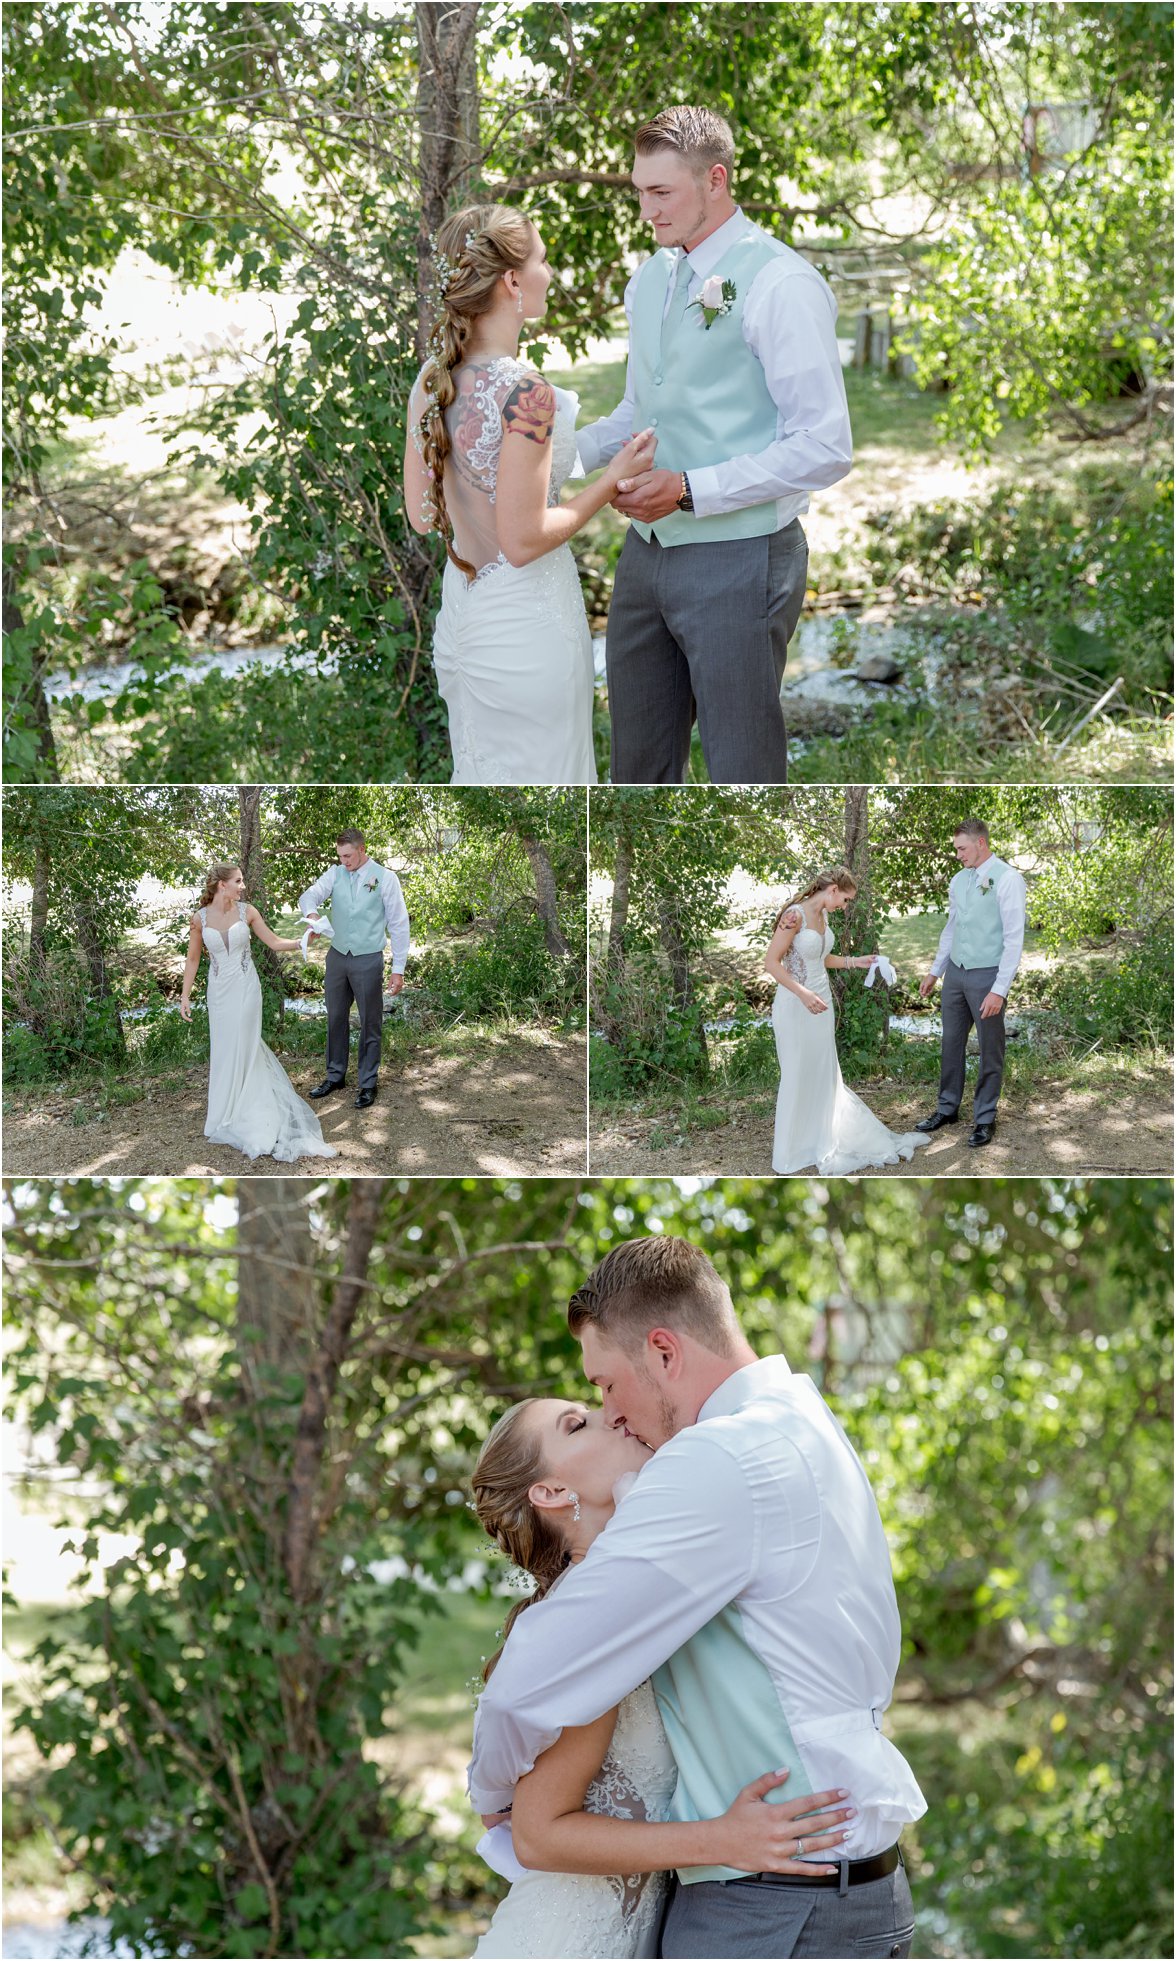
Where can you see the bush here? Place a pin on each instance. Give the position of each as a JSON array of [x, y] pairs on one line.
[[509, 974], [54, 1023], [1126, 1005]]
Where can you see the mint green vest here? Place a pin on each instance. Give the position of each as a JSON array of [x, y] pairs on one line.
[[978, 939], [724, 1724], [701, 390], [358, 915]]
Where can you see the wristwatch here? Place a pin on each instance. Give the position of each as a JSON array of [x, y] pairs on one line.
[[686, 500]]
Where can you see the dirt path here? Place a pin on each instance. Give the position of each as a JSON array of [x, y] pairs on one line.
[[516, 1107], [1058, 1132]]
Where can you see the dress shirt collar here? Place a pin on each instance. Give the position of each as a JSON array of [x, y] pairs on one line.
[[771, 1372], [715, 246]]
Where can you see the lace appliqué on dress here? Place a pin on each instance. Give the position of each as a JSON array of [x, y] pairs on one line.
[[488, 396], [636, 1781]]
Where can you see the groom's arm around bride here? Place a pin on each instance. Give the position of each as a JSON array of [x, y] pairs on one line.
[[733, 362]]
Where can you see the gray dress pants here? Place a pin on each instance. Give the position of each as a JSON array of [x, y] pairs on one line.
[[357, 977], [703, 630], [754, 1918], [964, 989]]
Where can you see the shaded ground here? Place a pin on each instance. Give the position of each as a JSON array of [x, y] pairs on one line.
[[515, 1106], [1124, 1129]]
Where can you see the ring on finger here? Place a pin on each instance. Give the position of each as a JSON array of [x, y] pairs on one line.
[[799, 1847]]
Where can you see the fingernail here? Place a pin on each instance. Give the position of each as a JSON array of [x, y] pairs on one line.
[[783, 1772], [842, 1794]]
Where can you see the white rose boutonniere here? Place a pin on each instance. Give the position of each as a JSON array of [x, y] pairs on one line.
[[984, 881], [371, 884], [715, 300]]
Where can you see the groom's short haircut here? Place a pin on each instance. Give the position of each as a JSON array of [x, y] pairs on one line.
[[350, 836], [699, 136], [972, 827], [651, 1283]]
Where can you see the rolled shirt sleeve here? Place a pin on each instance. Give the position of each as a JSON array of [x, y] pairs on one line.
[[396, 920], [1011, 899], [317, 895], [679, 1548], [790, 325]]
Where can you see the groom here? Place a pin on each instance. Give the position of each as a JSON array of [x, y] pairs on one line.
[[733, 361], [747, 1571], [367, 907], [979, 953]]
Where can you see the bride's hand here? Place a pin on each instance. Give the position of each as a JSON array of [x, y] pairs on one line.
[[634, 460], [755, 1836], [813, 1002], [185, 1010]]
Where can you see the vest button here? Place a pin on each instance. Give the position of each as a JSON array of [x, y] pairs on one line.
[[653, 422], [657, 380]]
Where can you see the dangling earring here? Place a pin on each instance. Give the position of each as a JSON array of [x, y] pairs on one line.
[[575, 1508], [519, 309]]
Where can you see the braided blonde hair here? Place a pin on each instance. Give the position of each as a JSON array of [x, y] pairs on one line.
[[838, 875], [508, 1464], [474, 248]]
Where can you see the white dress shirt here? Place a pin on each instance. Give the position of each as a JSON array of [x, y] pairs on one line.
[[750, 1558], [789, 323], [391, 896], [1011, 901]]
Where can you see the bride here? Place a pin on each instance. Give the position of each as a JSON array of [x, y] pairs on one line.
[[252, 1103], [590, 1841], [818, 1120], [490, 444]]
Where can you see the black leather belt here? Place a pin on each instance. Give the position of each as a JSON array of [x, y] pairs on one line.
[[852, 1872]]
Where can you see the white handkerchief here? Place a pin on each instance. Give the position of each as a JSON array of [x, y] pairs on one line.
[[322, 929], [496, 1847], [881, 966]]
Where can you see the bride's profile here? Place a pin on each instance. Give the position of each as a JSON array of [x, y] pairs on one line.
[[590, 1842], [819, 1122], [252, 1104], [490, 444]]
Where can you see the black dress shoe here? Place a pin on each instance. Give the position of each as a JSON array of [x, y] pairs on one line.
[[365, 1099], [326, 1088], [983, 1134], [937, 1120]]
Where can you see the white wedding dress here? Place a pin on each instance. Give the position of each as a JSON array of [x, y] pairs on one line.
[[252, 1104], [583, 1916], [819, 1122], [512, 649]]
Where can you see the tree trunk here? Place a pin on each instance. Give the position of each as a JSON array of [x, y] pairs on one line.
[[447, 120], [276, 1293], [253, 866], [619, 911], [546, 898], [39, 912], [39, 714], [682, 981], [860, 931], [363, 1211], [90, 941]]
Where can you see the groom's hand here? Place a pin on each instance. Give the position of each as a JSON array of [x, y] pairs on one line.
[[648, 497], [926, 986], [395, 983], [991, 1005]]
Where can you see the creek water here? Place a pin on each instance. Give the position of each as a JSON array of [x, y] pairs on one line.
[[826, 650]]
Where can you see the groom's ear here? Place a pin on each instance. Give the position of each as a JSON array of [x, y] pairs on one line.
[[666, 1355]]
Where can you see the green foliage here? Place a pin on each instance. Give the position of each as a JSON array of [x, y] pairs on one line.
[[508, 975]]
